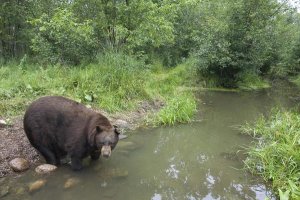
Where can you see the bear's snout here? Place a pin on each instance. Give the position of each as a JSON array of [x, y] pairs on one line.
[[106, 151]]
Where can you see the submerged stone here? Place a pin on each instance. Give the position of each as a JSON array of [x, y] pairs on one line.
[[127, 145], [70, 182], [45, 168], [20, 191], [19, 164], [113, 173], [36, 185]]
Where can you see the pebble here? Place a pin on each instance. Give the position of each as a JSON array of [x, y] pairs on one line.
[[45, 168], [19, 164], [36, 185]]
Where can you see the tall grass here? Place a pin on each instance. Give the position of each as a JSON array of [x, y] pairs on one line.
[[276, 154], [115, 82], [178, 109], [180, 105]]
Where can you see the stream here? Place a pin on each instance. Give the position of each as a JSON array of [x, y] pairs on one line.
[[199, 160]]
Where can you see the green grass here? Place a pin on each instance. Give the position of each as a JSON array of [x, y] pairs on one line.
[[180, 105], [178, 109], [276, 154], [115, 82], [251, 81]]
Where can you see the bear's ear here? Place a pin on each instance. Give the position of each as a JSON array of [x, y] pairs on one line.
[[116, 130], [98, 129]]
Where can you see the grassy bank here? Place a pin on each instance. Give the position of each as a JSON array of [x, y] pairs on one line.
[[251, 81], [276, 154], [115, 83]]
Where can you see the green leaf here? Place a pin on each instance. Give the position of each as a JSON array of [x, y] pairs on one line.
[[88, 98], [284, 195]]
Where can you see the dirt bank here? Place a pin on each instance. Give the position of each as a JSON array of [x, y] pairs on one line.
[[14, 143]]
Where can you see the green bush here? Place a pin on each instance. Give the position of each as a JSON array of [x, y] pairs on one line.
[[62, 39]]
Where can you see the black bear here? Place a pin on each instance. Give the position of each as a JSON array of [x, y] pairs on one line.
[[57, 126]]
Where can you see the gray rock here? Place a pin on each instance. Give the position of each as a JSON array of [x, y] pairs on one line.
[[121, 124], [19, 164], [45, 168], [122, 137]]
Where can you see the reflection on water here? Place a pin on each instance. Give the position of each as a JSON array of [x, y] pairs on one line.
[[192, 161]]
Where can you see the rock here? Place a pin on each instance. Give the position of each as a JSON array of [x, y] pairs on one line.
[[3, 123], [20, 191], [36, 185], [121, 124], [122, 137], [128, 145], [45, 168], [71, 182], [4, 191], [113, 173], [19, 164]]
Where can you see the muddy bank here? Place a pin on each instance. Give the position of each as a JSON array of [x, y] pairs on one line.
[[14, 143]]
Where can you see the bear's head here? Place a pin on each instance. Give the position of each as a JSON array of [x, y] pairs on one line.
[[104, 139]]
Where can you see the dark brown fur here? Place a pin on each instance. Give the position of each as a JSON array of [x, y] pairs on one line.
[[57, 126]]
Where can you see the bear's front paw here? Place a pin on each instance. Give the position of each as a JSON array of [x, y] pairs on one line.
[[76, 164], [95, 155]]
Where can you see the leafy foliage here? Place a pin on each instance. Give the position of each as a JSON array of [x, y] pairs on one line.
[[61, 39]]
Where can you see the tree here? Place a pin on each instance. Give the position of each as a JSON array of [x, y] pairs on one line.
[[61, 38]]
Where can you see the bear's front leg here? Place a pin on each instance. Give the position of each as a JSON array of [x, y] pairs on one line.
[[76, 163], [95, 155]]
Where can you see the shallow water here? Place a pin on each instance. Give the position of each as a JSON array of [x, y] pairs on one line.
[[191, 161]]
